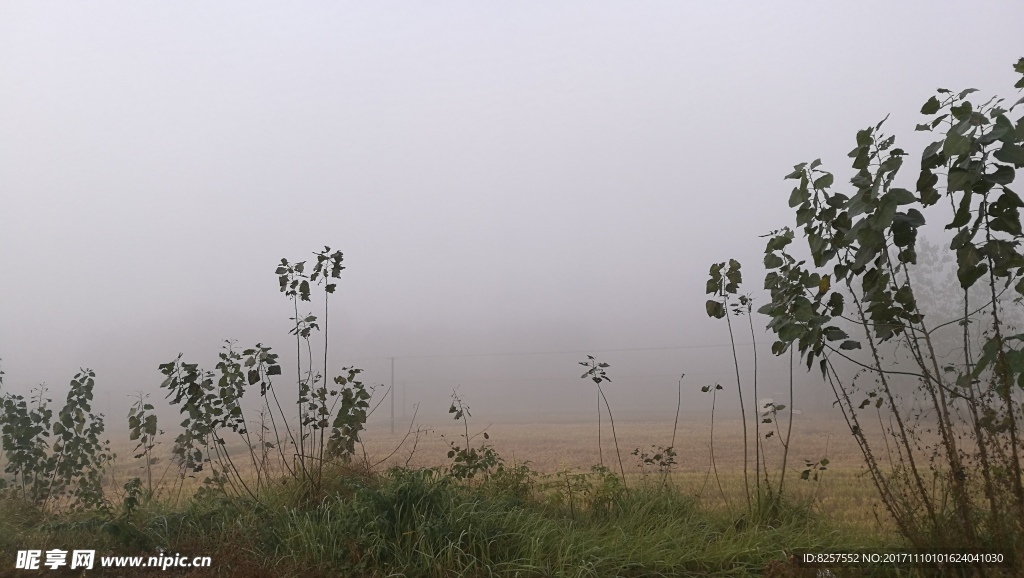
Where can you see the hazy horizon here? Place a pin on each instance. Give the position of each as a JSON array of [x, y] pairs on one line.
[[534, 181]]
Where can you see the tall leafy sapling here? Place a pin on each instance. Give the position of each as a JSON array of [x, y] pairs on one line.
[[723, 283], [330, 419], [142, 428], [596, 373], [964, 489]]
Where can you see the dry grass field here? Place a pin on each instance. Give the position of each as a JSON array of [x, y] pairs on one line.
[[843, 492]]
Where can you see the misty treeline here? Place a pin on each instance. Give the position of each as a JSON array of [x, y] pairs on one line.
[[920, 345], [920, 350]]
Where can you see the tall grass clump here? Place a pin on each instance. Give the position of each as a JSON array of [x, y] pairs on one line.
[[425, 523]]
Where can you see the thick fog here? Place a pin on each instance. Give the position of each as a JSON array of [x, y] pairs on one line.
[[513, 185]]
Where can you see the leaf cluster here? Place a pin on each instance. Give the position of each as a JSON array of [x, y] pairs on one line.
[[350, 419], [722, 283], [67, 473], [595, 370]]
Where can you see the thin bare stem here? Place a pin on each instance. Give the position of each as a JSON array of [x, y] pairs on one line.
[[743, 409], [615, 438]]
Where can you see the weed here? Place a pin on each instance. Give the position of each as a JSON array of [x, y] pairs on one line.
[[469, 462]]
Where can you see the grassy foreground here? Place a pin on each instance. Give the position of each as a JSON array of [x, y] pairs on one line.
[[421, 522]]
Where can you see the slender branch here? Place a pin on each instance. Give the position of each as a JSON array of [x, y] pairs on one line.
[[743, 410], [412, 422], [679, 404], [757, 409], [870, 367], [789, 431], [615, 438]]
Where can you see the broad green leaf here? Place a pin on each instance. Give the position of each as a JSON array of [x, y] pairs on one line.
[[969, 275], [1003, 175], [835, 334], [824, 181], [912, 217], [901, 196], [861, 160], [931, 149], [1010, 153], [963, 212], [864, 137], [779, 241], [904, 296], [956, 144], [961, 110], [903, 233], [798, 171], [1004, 130], [790, 332], [803, 310], [805, 215], [798, 196], [840, 272]]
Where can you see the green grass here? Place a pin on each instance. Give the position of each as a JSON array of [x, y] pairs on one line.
[[423, 523]]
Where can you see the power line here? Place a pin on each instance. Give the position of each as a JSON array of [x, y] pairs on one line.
[[562, 379], [567, 352]]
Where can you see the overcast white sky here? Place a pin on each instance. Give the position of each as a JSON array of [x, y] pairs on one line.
[[502, 177]]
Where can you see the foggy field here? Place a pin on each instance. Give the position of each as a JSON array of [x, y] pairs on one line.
[[548, 446], [688, 520], [512, 290]]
